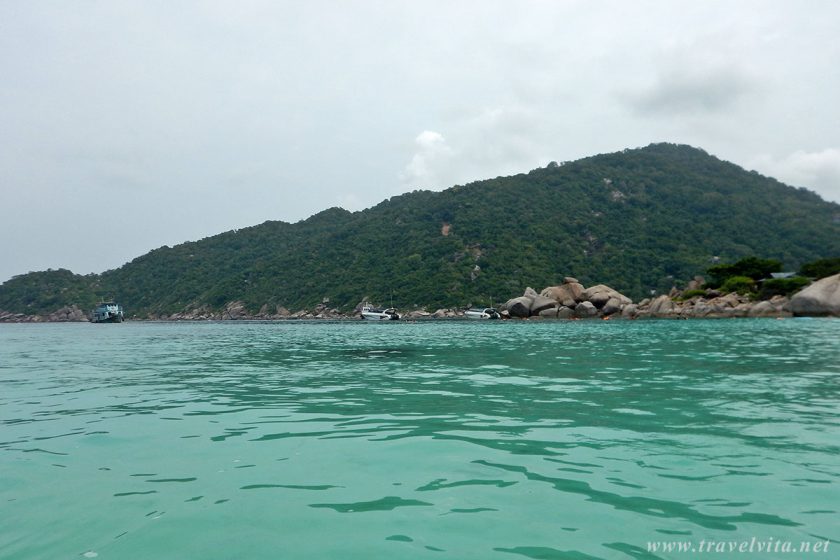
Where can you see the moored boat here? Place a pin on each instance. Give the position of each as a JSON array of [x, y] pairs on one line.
[[107, 312], [482, 313], [370, 313]]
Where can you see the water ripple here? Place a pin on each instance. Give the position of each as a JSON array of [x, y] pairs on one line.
[[570, 440]]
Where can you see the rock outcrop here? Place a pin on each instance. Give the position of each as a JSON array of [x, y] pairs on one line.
[[585, 310], [542, 303], [65, 314], [699, 307], [819, 299], [566, 301], [519, 307], [571, 300], [570, 293]]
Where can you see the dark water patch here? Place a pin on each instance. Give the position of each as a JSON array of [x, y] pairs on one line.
[[387, 503], [39, 450], [286, 435], [688, 478], [624, 483], [399, 538], [290, 486], [824, 538], [440, 484], [747, 473], [632, 550], [546, 553], [232, 432], [345, 436], [674, 532], [573, 470], [647, 506], [472, 510], [187, 479], [244, 466], [73, 433], [121, 494], [215, 412], [223, 500], [514, 447], [194, 499]]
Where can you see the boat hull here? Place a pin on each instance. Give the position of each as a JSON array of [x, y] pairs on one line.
[[111, 319], [379, 317], [375, 314], [484, 314]]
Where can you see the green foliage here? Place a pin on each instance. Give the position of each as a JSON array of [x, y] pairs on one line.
[[740, 284], [821, 268], [752, 267], [636, 220], [781, 286], [43, 292], [688, 294]]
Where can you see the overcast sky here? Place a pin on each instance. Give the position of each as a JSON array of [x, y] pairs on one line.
[[125, 126]]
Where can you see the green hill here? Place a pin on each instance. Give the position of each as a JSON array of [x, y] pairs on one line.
[[636, 220]]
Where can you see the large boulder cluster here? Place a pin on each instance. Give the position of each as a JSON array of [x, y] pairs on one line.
[[710, 306], [569, 300], [820, 298]]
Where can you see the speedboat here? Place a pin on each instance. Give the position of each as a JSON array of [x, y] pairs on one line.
[[482, 313], [370, 313], [107, 312]]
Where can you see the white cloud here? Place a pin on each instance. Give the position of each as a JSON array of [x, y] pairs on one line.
[[482, 143], [818, 171], [429, 164]]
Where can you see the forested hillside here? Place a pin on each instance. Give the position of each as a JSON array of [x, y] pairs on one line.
[[636, 220]]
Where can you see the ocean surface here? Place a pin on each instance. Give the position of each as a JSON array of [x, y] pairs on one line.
[[354, 440]]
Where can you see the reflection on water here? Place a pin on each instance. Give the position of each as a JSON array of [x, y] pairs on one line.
[[462, 440]]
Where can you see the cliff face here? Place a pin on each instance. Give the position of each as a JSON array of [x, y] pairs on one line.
[[637, 220]]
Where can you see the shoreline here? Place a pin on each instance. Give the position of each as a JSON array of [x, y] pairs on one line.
[[567, 301]]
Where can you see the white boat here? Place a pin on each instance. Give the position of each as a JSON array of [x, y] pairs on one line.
[[107, 312], [482, 313], [370, 313]]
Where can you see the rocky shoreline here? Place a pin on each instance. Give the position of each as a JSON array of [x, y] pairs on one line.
[[572, 301], [569, 300]]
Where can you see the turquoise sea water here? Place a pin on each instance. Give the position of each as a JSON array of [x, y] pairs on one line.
[[573, 440]]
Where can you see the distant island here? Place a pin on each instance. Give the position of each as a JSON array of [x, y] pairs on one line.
[[641, 221]]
